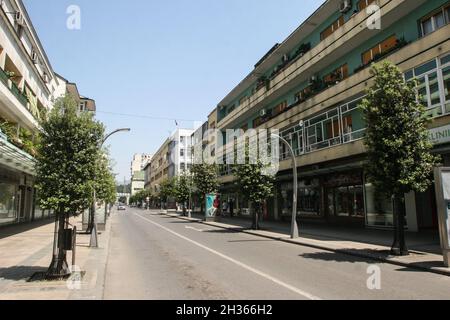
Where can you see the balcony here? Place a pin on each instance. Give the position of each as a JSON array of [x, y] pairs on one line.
[[16, 101], [330, 49]]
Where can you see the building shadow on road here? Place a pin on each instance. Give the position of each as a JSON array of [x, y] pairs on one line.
[[11, 230], [18, 273]]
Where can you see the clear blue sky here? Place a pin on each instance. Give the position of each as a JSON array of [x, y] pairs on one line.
[[168, 59]]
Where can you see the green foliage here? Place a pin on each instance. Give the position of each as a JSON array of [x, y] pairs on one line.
[[397, 139], [141, 197], [205, 178], [105, 184], [253, 182], [183, 188], [167, 189], [67, 158]]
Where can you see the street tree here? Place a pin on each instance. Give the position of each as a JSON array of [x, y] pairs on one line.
[[205, 181], [167, 190], [66, 168], [397, 141], [256, 184], [183, 190], [105, 183]]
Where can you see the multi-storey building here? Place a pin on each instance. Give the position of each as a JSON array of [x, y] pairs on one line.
[[138, 164], [159, 167], [180, 152], [309, 87], [28, 89]]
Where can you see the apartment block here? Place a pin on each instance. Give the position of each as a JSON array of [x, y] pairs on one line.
[[309, 88], [28, 89]]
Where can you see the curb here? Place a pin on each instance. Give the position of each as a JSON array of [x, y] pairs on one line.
[[314, 246]]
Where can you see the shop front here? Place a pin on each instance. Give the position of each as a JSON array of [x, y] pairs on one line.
[[17, 195]]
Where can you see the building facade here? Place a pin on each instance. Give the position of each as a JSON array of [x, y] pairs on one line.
[[28, 90], [309, 87], [138, 164]]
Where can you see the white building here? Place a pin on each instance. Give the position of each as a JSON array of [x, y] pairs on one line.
[[180, 152]]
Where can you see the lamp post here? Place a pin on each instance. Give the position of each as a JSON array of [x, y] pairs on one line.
[[93, 243], [294, 226]]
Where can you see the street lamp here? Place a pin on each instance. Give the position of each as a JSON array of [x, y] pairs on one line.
[[294, 226], [93, 243]]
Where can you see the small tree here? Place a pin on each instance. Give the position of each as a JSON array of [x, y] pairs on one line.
[[205, 180], [66, 168], [167, 190], [256, 185], [183, 190], [105, 182], [397, 142]]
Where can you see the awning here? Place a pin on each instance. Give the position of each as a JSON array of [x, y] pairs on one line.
[[14, 158]]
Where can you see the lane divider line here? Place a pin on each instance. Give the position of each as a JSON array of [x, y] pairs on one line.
[[236, 262]]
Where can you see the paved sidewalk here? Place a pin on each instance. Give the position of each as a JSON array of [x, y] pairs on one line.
[[27, 249], [373, 244]]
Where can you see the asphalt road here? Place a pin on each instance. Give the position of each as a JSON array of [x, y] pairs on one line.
[[158, 257]]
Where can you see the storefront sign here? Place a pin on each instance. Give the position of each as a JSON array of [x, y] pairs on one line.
[[440, 135]]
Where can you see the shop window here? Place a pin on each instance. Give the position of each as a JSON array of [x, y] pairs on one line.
[[332, 28], [363, 4], [380, 49], [379, 208], [8, 202]]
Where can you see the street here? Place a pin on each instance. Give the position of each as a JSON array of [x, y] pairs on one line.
[[152, 256]]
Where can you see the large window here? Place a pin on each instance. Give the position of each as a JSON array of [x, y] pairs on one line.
[[379, 49], [8, 210], [433, 80], [436, 20], [339, 125]]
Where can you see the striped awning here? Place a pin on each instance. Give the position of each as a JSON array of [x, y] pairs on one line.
[[14, 158]]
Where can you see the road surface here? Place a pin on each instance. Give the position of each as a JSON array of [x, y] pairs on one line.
[[152, 256]]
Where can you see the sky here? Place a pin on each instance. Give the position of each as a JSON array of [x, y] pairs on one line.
[[147, 63]]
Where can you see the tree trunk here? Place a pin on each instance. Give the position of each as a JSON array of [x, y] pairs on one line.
[[399, 247], [184, 209], [255, 225], [59, 267]]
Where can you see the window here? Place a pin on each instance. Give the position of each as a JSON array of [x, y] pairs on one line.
[[337, 75], [433, 85], [279, 108], [362, 4], [378, 50], [83, 106], [332, 28], [182, 153], [435, 21]]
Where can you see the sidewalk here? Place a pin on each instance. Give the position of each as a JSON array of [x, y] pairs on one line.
[[27, 249], [374, 244]]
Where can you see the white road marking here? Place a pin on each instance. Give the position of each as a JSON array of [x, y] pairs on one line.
[[240, 264], [195, 229]]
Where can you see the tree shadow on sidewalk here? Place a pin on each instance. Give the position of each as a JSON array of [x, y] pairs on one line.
[[18, 273]]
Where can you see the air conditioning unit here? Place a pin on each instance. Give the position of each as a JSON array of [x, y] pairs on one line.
[[263, 113], [285, 58], [19, 18], [345, 6]]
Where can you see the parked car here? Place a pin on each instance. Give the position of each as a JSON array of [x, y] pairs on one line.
[[121, 208]]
